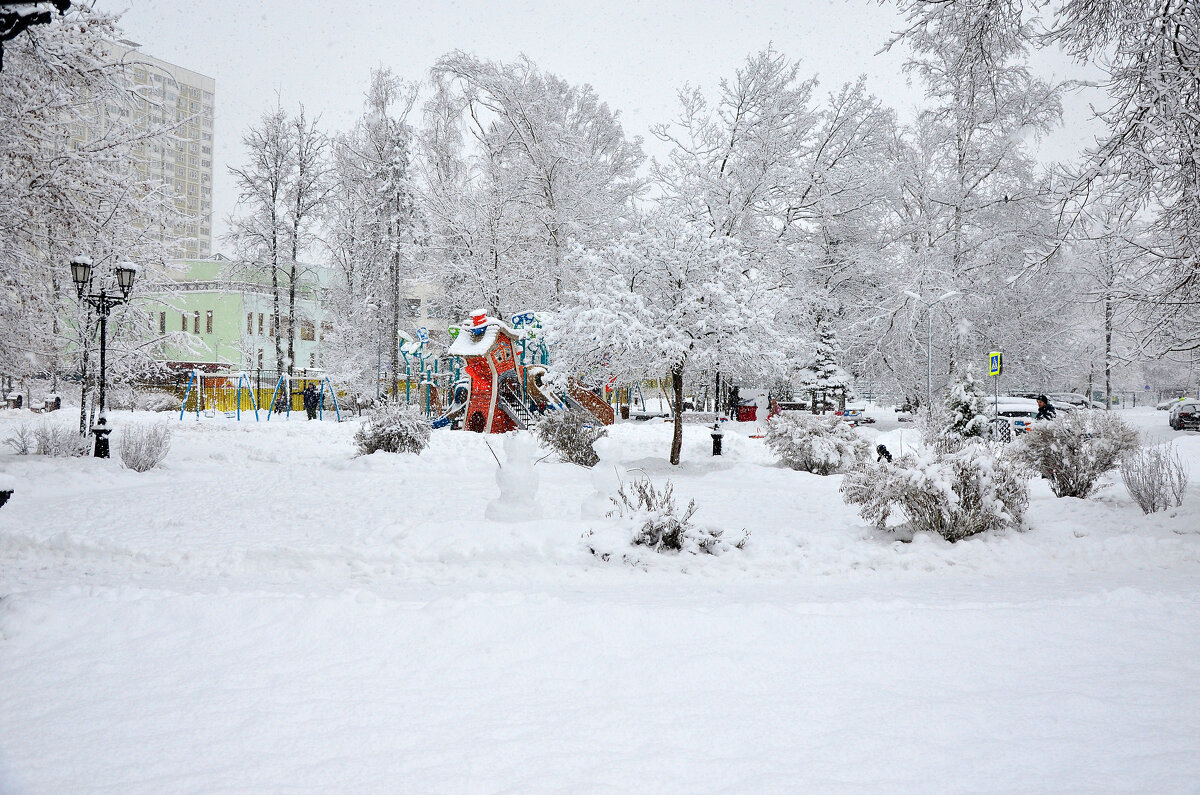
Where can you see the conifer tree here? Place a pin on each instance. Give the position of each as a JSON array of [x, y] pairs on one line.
[[824, 379], [966, 406]]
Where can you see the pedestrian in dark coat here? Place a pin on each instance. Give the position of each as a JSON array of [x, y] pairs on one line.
[[884, 453], [311, 400], [1046, 409]]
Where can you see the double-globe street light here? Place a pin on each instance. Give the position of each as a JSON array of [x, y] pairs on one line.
[[103, 302], [929, 305]]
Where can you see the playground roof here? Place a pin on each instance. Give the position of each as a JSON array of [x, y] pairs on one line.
[[469, 344]]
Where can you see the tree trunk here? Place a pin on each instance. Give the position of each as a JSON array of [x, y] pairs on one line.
[[83, 387], [291, 342], [394, 319], [677, 389], [1108, 330]]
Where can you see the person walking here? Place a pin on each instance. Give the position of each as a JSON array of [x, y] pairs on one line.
[[311, 401], [1046, 410]]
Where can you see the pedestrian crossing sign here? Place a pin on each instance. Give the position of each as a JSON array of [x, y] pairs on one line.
[[995, 363]]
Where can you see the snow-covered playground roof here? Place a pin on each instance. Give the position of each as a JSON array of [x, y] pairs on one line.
[[469, 344]]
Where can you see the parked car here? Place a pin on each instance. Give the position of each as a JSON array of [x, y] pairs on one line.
[[1074, 400], [1167, 405], [1017, 413], [1185, 415]]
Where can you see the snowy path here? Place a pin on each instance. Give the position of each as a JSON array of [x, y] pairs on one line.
[[267, 613]]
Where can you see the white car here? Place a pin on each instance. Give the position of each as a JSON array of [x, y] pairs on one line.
[[1073, 400]]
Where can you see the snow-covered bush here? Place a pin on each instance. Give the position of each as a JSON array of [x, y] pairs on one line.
[[648, 517], [393, 428], [1075, 450], [143, 447], [570, 433], [22, 440], [58, 441], [956, 495], [1156, 477], [823, 445], [156, 400]]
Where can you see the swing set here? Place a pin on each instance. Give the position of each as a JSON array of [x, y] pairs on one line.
[[285, 383], [211, 398]]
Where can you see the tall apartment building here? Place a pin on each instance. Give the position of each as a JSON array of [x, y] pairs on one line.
[[185, 99]]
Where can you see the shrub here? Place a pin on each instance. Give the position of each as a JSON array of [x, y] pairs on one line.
[[143, 447], [60, 441], [22, 440], [648, 517], [570, 433], [955, 495], [393, 428], [156, 400], [1156, 477], [823, 445], [1075, 450]]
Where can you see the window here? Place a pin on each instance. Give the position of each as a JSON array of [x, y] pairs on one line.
[[162, 322], [306, 330], [271, 326], [312, 360], [249, 323], [260, 323], [208, 322], [183, 321], [196, 322]]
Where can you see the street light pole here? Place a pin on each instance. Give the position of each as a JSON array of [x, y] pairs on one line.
[[929, 305], [81, 274]]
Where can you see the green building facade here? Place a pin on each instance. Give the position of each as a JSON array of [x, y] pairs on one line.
[[219, 317]]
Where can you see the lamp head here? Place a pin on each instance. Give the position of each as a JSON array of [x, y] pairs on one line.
[[81, 273], [125, 273]]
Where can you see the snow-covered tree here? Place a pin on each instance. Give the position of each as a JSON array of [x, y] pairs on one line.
[[668, 300], [823, 379], [519, 163], [259, 232], [965, 411], [282, 190], [1149, 52], [375, 230], [69, 127]]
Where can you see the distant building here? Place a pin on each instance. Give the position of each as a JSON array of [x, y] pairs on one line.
[[185, 99], [228, 318]]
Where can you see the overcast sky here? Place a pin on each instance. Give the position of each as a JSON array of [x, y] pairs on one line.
[[636, 55]]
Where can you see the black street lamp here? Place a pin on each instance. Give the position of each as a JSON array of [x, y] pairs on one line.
[[81, 274]]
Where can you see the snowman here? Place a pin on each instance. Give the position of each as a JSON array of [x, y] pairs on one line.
[[517, 481], [762, 408], [605, 479]]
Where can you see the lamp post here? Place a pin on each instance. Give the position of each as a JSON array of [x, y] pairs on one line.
[[929, 305], [103, 302]]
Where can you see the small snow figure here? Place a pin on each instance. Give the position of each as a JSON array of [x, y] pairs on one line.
[[311, 399], [884, 454], [762, 408], [517, 481], [1046, 410], [605, 479]]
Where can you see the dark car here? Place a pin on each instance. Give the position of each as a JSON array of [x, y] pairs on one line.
[[1185, 415]]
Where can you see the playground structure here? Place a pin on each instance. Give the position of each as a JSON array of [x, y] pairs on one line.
[[503, 387], [285, 404], [231, 394]]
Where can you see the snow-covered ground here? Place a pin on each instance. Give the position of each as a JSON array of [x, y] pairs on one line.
[[267, 612]]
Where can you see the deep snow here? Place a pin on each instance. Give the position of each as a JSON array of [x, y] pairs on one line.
[[268, 612]]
